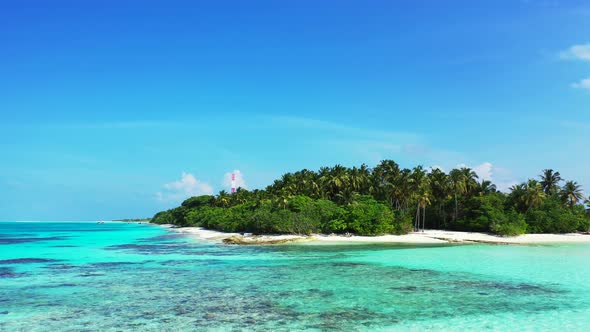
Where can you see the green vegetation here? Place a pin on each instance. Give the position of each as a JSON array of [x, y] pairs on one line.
[[388, 200], [134, 220]]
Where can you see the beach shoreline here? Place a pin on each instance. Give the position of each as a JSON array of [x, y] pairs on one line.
[[426, 237]]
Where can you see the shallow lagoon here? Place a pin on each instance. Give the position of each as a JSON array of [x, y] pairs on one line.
[[57, 276]]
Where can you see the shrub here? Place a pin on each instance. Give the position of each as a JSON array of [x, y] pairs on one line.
[[553, 217], [198, 201], [481, 212], [369, 217], [511, 225], [403, 223], [163, 217]]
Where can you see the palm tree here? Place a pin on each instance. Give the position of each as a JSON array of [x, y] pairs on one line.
[[459, 185], [550, 181], [516, 197], [335, 180], [347, 196], [403, 188], [357, 179], [419, 183], [441, 189], [322, 177], [423, 202], [387, 182], [533, 194], [470, 178], [223, 199], [306, 184], [486, 187], [571, 193], [240, 196], [364, 173], [282, 199]]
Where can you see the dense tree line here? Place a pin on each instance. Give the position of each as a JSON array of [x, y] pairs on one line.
[[388, 199]]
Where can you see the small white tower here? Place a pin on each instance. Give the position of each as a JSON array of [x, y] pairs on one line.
[[233, 183]]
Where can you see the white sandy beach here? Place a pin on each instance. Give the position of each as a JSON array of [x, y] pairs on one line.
[[426, 237]]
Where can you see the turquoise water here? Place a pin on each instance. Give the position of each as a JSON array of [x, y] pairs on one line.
[[57, 276]]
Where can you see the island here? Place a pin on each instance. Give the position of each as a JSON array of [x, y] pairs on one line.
[[387, 200]]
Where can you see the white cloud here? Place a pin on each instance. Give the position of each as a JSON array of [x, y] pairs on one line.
[[433, 167], [240, 182], [484, 171], [504, 186], [184, 188], [582, 84], [578, 52], [501, 177]]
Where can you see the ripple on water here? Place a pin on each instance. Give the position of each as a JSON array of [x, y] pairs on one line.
[[17, 240], [186, 286], [7, 272]]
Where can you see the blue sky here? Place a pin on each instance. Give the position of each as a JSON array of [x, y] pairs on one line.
[[114, 109]]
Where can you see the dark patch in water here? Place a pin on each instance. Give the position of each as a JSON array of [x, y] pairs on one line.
[[12, 235], [185, 262], [334, 320], [111, 264], [6, 272], [411, 289], [84, 275], [405, 288], [520, 288], [49, 304], [65, 285], [209, 253], [27, 260], [527, 288], [162, 238], [61, 285], [60, 266], [99, 230], [54, 286], [65, 246], [15, 240], [147, 248], [348, 264], [169, 248]]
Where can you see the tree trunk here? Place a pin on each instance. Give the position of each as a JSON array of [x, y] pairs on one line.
[[456, 208], [423, 219], [417, 219]]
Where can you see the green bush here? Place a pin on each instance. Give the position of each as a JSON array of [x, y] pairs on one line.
[[553, 217], [403, 223], [369, 217], [481, 212], [198, 201], [163, 217], [584, 225], [512, 224]]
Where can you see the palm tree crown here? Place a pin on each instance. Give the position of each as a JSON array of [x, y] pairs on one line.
[[571, 193], [550, 181]]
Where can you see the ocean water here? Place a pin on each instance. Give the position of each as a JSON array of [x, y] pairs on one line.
[[66, 276]]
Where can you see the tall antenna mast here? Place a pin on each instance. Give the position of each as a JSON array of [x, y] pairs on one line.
[[233, 183]]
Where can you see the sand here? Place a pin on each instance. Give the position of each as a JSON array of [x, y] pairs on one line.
[[426, 237]]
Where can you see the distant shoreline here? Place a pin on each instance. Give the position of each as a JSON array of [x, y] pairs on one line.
[[133, 220], [426, 237]]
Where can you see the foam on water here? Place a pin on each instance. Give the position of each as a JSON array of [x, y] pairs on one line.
[[116, 276]]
